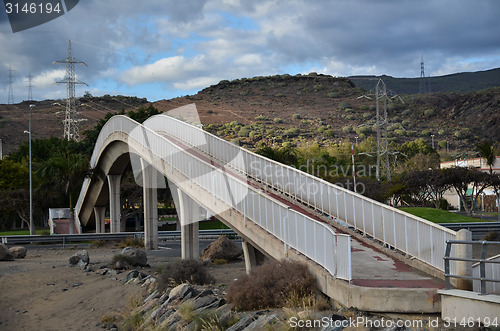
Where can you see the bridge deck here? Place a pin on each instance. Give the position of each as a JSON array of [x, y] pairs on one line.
[[370, 266]]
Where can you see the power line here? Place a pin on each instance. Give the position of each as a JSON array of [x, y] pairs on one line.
[[30, 87], [423, 86], [71, 130], [10, 98]]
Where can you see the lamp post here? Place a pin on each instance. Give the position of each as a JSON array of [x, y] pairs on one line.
[[432, 139], [356, 140], [32, 228]]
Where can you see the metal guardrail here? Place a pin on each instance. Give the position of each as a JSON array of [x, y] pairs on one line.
[[71, 238], [483, 261], [478, 229]]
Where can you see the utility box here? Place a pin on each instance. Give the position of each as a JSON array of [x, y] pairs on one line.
[[59, 220]]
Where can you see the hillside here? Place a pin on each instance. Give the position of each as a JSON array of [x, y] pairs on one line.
[[463, 82], [328, 109], [47, 117], [283, 108]]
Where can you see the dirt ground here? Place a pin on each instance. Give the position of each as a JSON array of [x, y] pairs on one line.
[[41, 292]]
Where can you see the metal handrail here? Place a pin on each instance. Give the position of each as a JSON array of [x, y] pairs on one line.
[[66, 238], [389, 225], [482, 262]]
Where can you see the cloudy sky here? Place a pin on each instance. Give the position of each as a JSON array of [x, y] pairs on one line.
[[160, 49]]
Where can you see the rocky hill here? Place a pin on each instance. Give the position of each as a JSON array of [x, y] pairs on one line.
[[463, 82], [285, 108], [48, 115], [324, 108]]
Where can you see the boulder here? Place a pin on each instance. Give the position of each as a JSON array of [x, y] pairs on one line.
[[135, 256], [5, 254], [82, 255], [18, 252], [223, 248]]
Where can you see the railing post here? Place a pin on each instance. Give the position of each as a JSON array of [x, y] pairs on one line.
[[482, 267], [447, 266], [464, 268]]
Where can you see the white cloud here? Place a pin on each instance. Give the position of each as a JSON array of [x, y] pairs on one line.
[[170, 69]]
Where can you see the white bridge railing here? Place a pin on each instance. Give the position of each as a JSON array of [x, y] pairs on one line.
[[308, 236], [409, 234]]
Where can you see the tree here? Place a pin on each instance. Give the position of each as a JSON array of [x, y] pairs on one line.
[[14, 192], [64, 174], [427, 186], [488, 152], [462, 179]]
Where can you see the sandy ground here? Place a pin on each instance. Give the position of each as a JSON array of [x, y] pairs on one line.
[[41, 292]]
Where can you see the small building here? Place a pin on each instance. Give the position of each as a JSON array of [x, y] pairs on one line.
[[59, 220], [489, 201]]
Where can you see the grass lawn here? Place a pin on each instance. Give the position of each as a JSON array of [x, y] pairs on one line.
[[44, 232], [439, 215]]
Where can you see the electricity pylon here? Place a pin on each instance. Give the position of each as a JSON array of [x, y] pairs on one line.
[[71, 130]]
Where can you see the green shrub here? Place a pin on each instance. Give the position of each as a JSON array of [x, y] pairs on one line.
[[329, 133], [364, 130], [278, 120], [429, 112], [296, 116], [347, 129], [406, 112], [261, 118], [185, 271], [321, 129], [333, 95], [344, 105], [244, 132], [271, 285], [292, 132]]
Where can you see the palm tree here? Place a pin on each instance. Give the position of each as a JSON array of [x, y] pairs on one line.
[[488, 152], [64, 174]]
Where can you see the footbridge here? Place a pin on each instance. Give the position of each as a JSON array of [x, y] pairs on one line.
[[281, 212]]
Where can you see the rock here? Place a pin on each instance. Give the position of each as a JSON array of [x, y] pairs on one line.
[[131, 275], [5, 254], [223, 248], [165, 296], [18, 252], [135, 256], [262, 322], [181, 291], [82, 255], [203, 302], [244, 321], [206, 262]]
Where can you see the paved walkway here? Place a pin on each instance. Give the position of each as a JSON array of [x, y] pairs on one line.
[[370, 266]]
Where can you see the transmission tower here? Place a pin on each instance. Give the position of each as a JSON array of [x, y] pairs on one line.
[[423, 86], [30, 87], [70, 118], [10, 98]]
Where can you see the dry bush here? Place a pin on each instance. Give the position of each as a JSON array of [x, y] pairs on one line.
[[271, 285], [132, 242], [186, 271]]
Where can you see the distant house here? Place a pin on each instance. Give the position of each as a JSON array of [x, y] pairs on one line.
[[489, 201], [478, 163]]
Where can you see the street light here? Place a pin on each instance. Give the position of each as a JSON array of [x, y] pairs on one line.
[[356, 140], [432, 139], [32, 228]]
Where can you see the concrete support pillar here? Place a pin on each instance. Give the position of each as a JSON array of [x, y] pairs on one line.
[[100, 215], [150, 196], [253, 257], [114, 202], [464, 268], [188, 213]]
